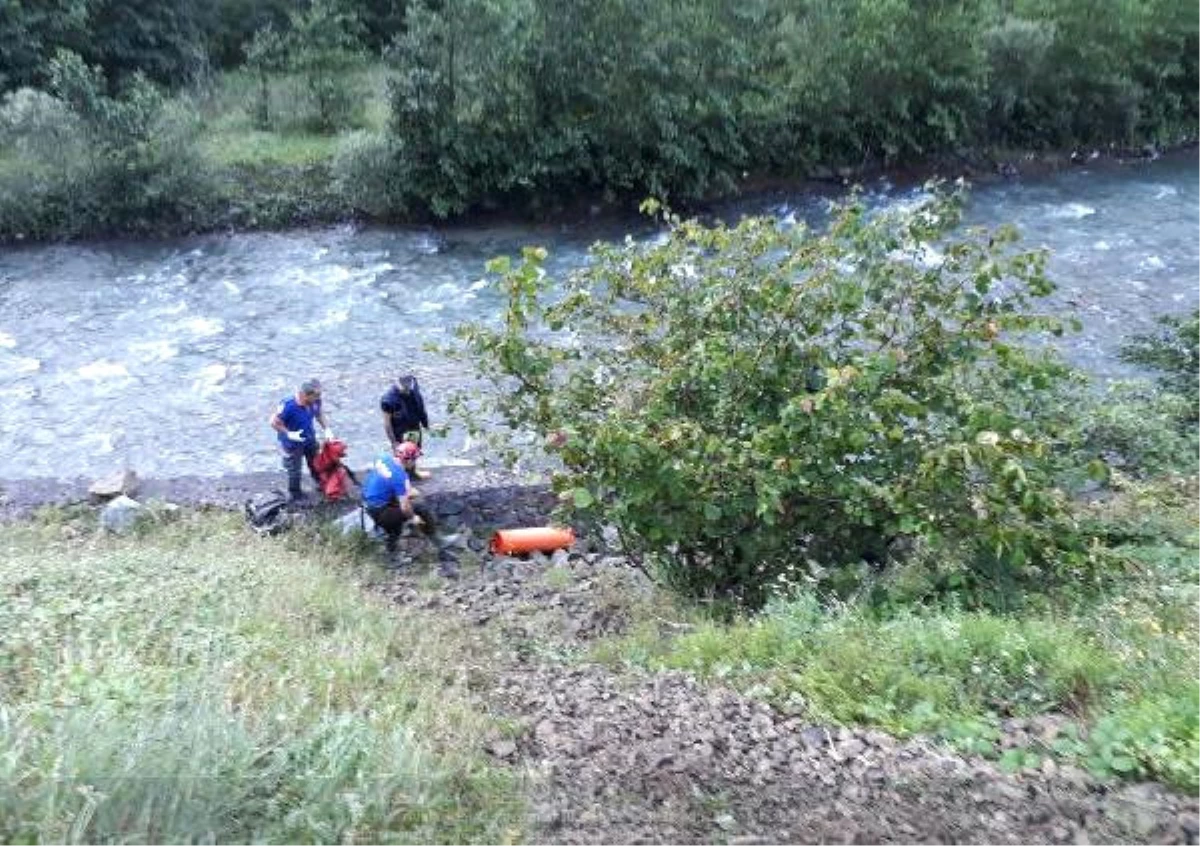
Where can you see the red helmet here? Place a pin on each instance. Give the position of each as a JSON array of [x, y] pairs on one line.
[[407, 451]]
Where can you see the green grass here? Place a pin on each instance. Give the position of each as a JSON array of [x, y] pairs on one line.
[[1121, 668], [201, 684], [252, 146], [230, 136]]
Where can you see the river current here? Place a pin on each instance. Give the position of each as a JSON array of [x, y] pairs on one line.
[[169, 356]]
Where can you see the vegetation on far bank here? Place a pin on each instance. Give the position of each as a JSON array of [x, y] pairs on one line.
[[136, 118], [195, 683]]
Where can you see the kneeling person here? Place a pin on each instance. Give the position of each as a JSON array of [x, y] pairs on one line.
[[387, 497]]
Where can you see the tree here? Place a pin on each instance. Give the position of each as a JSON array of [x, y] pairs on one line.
[[321, 46], [236, 22], [165, 42], [30, 31], [760, 402], [265, 55]]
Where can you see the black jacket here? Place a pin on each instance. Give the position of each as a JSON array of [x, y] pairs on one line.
[[407, 409]]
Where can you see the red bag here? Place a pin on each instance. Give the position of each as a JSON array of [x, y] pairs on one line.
[[333, 476]]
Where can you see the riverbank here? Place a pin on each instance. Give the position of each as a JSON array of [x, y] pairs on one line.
[[485, 489], [277, 196]]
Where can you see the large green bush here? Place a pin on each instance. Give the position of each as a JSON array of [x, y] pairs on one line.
[[758, 402]]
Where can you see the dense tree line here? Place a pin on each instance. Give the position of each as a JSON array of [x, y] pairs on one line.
[[170, 41], [678, 99], [520, 103]]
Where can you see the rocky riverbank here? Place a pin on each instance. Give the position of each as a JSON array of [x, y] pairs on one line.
[[480, 493]]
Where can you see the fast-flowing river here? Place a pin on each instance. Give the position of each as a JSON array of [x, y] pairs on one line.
[[169, 356]]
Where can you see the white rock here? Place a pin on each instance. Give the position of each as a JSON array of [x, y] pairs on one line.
[[121, 515]]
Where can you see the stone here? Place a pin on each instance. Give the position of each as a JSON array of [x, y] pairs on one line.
[[611, 537], [815, 737], [502, 748], [851, 748], [122, 515], [123, 483], [725, 822]]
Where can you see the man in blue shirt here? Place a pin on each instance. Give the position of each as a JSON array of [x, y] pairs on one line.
[[293, 422], [387, 494]]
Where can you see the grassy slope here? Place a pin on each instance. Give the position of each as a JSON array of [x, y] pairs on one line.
[[1120, 667], [201, 684]]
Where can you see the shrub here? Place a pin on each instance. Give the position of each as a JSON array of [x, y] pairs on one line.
[[1155, 738], [1174, 353], [1138, 429], [93, 163], [369, 174], [745, 402]]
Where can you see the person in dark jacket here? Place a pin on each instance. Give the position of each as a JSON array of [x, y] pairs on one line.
[[404, 415]]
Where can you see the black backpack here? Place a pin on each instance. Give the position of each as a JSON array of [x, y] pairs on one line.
[[267, 514]]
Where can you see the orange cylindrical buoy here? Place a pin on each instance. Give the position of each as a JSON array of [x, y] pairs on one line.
[[536, 539]]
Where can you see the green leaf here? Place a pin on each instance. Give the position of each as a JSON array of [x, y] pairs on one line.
[[582, 498]]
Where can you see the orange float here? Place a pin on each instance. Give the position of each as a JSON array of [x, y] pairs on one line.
[[536, 539]]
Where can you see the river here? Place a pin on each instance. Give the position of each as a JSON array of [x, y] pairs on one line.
[[169, 356]]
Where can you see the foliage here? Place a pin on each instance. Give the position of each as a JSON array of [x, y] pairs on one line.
[[165, 42], [908, 673], [153, 692], [533, 105], [761, 401], [1173, 352], [1156, 738], [321, 46], [96, 163], [1138, 429], [528, 100], [368, 173], [31, 30]]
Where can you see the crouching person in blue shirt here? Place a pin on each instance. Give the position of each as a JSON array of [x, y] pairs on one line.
[[387, 495], [293, 422]]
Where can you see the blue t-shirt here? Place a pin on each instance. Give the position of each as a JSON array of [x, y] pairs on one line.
[[296, 416], [385, 481]]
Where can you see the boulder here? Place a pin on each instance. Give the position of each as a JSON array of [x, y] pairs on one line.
[[123, 483], [122, 514]]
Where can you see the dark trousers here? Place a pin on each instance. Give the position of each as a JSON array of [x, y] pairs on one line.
[[391, 519], [292, 460]]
